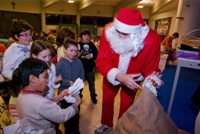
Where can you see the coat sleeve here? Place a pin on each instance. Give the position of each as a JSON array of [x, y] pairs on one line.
[[12, 58], [53, 69], [51, 111], [59, 67]]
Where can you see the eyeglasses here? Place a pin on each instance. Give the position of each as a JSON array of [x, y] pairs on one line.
[[25, 35], [125, 34]]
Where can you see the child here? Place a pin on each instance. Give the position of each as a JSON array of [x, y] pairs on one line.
[[40, 51], [2, 50], [21, 32], [63, 34], [40, 112], [20, 50], [88, 56], [71, 68]]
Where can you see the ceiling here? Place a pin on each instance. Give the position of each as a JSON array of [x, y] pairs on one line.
[[156, 6]]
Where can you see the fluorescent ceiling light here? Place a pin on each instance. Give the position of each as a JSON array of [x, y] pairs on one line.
[[140, 6], [145, 1], [70, 1]]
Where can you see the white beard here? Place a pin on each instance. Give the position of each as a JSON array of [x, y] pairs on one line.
[[133, 44]]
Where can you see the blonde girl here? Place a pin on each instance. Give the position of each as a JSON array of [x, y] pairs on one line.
[[40, 51]]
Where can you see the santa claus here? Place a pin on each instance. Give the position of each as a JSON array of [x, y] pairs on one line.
[[128, 52]]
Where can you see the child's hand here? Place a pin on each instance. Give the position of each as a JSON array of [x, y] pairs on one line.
[[1, 78], [71, 83], [78, 99], [62, 94], [87, 56], [58, 79]]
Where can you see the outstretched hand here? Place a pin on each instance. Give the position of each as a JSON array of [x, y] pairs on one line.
[[129, 80], [58, 79]]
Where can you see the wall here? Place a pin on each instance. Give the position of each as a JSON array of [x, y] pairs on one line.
[[190, 22], [101, 11], [145, 12], [191, 14], [28, 6], [163, 15], [61, 8]]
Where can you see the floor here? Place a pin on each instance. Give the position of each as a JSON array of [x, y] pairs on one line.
[[90, 114]]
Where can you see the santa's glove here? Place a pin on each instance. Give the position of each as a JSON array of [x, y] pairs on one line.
[[152, 82], [74, 89]]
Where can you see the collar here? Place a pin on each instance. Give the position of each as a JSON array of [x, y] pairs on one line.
[[30, 92]]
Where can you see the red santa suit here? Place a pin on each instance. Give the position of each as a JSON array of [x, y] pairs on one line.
[[110, 61]]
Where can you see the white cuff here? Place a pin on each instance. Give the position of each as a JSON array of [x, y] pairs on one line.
[[112, 75], [56, 85], [91, 55]]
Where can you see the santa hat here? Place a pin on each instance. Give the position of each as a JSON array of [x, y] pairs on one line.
[[2, 48], [129, 21]]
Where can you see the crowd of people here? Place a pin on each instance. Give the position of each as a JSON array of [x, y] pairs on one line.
[[38, 63], [61, 60]]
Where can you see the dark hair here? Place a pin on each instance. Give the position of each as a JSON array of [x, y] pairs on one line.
[[63, 33], [15, 86], [20, 77], [176, 35], [37, 47], [69, 42], [84, 31], [18, 27]]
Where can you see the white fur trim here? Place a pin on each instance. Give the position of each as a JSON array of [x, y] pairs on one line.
[[124, 28], [112, 75], [124, 61], [122, 68], [140, 78]]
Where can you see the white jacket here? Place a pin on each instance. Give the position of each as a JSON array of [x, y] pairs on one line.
[[51, 77], [13, 56]]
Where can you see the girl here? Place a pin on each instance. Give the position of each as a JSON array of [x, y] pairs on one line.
[[40, 51]]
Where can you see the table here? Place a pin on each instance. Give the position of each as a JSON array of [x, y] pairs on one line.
[[182, 62]]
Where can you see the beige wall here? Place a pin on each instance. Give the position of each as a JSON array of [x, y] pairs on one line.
[[191, 14], [28, 6]]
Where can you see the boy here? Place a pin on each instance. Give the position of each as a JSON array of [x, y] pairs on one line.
[[70, 68], [39, 111], [88, 55], [22, 33]]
